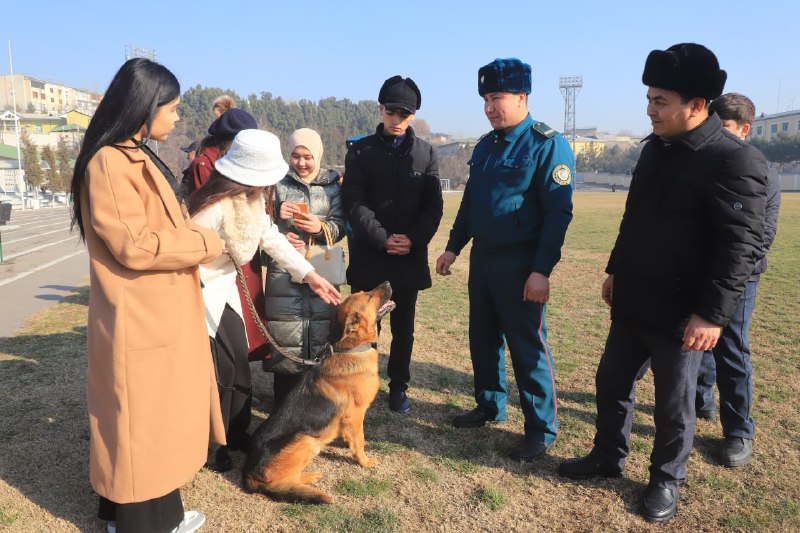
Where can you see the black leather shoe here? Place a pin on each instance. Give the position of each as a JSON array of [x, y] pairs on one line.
[[398, 401], [710, 415], [219, 460], [736, 451], [659, 504], [529, 450], [474, 419], [586, 468]]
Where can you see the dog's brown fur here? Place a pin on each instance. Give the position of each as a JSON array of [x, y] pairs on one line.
[[329, 402]]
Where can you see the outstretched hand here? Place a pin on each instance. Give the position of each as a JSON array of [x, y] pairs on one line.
[[323, 288]]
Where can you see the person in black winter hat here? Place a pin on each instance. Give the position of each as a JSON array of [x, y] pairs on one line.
[[689, 240], [688, 69], [393, 203], [216, 144]]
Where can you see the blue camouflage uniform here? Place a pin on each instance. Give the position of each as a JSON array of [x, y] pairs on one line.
[[516, 208]]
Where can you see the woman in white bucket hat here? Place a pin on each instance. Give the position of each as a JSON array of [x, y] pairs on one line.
[[233, 203]]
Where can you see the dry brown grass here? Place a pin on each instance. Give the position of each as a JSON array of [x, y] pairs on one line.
[[432, 477]]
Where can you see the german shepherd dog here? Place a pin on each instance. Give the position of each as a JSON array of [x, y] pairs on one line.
[[330, 401]]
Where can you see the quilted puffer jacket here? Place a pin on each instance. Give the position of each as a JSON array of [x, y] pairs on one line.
[[296, 317]]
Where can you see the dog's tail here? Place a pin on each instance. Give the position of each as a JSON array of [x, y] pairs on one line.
[[284, 491]]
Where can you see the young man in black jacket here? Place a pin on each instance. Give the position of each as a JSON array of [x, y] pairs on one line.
[[728, 365], [689, 240], [393, 203]]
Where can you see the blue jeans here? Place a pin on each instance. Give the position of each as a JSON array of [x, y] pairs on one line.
[[729, 367]]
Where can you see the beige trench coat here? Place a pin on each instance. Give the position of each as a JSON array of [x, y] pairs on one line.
[[151, 391]]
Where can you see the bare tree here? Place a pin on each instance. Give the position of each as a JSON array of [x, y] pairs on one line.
[[421, 128]]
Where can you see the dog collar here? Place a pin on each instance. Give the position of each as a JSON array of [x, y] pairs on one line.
[[360, 348]]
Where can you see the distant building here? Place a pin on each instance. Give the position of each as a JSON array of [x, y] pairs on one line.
[[586, 132], [766, 127], [586, 145], [440, 138], [10, 175], [452, 148], [590, 140], [44, 129], [40, 96]]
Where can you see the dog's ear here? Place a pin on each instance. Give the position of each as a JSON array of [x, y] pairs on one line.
[[356, 332], [351, 335], [336, 330]]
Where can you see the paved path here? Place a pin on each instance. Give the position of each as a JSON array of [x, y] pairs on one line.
[[43, 262]]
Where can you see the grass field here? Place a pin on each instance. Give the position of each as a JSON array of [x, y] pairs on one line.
[[432, 477]]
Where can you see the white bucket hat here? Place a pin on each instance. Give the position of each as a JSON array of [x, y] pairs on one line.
[[254, 159]]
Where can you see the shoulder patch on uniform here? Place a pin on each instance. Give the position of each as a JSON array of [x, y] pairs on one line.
[[562, 175], [543, 129]]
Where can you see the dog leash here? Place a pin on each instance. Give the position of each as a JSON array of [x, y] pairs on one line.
[[305, 362]]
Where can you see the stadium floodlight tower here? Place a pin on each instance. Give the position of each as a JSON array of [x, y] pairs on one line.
[[132, 51], [570, 87]]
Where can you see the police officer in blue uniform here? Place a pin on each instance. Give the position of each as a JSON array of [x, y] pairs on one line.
[[690, 237], [516, 208]]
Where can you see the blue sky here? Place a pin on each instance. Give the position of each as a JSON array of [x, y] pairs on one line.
[[316, 49]]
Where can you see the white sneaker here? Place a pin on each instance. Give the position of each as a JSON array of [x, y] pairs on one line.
[[192, 521], [111, 527]]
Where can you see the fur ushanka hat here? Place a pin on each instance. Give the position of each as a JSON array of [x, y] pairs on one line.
[[505, 76], [689, 69]]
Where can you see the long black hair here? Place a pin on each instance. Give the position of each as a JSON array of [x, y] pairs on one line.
[[132, 100]]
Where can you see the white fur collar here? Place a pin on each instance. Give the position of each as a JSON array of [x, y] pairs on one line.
[[241, 226]]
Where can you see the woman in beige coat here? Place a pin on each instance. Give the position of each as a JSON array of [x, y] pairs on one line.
[[151, 393]]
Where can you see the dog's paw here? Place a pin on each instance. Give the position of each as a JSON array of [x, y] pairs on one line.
[[367, 462], [309, 478]]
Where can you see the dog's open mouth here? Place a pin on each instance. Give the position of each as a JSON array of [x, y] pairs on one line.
[[386, 308]]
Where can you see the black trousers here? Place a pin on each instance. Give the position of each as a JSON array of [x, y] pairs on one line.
[[628, 348], [229, 351], [401, 320], [158, 515]]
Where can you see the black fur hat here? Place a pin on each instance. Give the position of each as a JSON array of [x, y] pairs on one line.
[[687, 68], [504, 76], [400, 93]]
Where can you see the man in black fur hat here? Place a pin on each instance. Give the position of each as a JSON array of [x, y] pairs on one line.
[[689, 239]]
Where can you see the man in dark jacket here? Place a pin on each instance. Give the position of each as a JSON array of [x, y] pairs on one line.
[[393, 203], [689, 240], [729, 363]]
